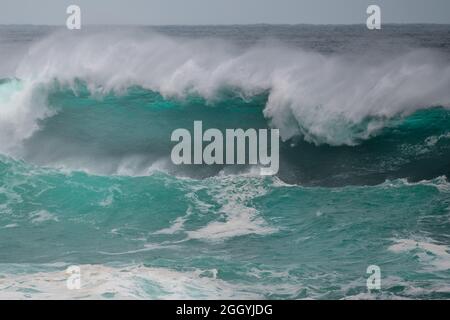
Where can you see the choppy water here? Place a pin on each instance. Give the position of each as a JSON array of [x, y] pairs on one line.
[[86, 177]]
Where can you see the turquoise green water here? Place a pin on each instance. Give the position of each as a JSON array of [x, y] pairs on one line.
[[86, 178], [263, 238]]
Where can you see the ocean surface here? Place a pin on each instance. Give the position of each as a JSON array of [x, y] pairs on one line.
[[86, 177]]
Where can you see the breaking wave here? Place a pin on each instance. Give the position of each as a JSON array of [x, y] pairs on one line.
[[325, 99]]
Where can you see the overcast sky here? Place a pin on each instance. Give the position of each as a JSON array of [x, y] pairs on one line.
[[157, 12]]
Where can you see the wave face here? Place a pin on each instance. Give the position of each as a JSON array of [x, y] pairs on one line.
[[85, 125], [129, 134]]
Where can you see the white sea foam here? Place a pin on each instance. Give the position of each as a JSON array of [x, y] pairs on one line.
[[433, 140], [434, 256], [175, 227], [42, 216], [395, 288], [237, 216], [326, 99], [22, 105], [109, 199], [129, 282], [11, 225], [441, 183]]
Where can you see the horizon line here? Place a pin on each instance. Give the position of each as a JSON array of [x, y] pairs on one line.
[[223, 24]]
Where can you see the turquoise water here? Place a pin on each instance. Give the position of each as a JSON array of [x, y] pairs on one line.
[[86, 177], [258, 236]]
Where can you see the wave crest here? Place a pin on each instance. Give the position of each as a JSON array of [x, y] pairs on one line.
[[331, 99]]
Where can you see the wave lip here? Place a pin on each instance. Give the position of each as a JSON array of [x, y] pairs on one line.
[[326, 99], [22, 105]]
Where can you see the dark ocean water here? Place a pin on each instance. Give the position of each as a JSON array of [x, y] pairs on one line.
[[86, 177]]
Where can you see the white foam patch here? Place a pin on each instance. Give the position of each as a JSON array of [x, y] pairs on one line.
[[131, 282], [440, 183], [236, 216], [200, 206], [177, 226], [396, 288], [239, 217], [109, 199], [42, 216], [433, 140], [435, 256], [11, 225]]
